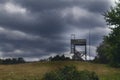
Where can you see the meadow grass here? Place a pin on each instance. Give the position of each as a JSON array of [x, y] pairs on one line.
[[36, 70]]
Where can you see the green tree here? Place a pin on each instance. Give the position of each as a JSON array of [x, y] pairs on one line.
[[112, 18], [102, 50], [112, 53]]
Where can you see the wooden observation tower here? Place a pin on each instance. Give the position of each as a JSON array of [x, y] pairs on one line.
[[78, 42]]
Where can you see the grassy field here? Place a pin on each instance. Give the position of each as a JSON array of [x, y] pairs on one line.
[[36, 70]]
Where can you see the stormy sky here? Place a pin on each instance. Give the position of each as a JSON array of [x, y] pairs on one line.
[[35, 29]]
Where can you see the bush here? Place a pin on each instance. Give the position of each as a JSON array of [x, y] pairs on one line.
[[70, 73]]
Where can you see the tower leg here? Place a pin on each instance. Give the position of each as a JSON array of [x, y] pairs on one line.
[[85, 53]]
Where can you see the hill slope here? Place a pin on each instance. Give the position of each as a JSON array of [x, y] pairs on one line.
[[35, 71]]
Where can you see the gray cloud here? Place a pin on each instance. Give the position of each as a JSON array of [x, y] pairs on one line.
[[36, 28]]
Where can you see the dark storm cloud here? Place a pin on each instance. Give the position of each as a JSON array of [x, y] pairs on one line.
[[31, 48], [98, 6], [34, 28], [38, 5], [51, 16], [3, 1], [47, 22], [41, 5], [90, 21]]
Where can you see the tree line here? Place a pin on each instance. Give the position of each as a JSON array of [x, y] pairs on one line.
[[59, 58], [12, 60]]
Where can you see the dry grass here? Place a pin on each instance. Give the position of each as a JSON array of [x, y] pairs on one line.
[[35, 71]]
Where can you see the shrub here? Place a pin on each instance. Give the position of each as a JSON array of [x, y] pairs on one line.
[[70, 73]]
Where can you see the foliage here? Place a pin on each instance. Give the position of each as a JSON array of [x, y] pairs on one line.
[[12, 60], [102, 50], [59, 58], [70, 73], [110, 48]]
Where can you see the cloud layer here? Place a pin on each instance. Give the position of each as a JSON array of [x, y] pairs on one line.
[[38, 28]]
